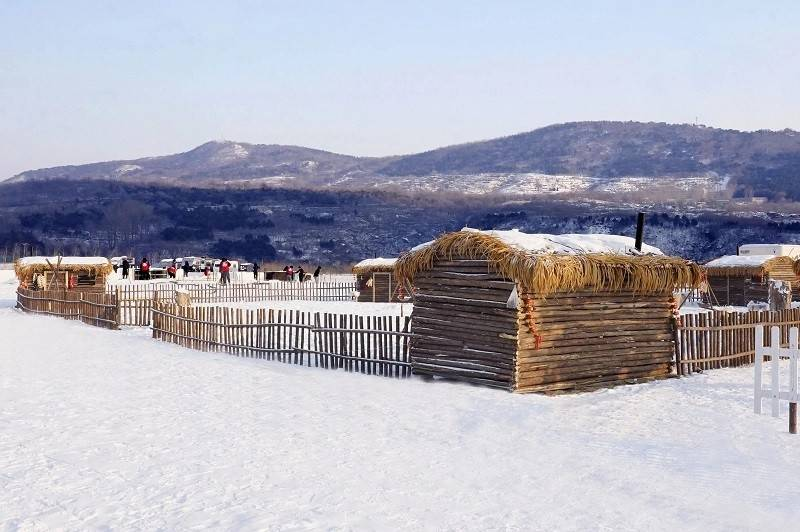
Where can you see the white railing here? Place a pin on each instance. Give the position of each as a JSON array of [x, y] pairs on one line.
[[774, 392]]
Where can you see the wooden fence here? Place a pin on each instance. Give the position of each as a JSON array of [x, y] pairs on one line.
[[720, 339], [136, 299], [374, 345], [92, 308]]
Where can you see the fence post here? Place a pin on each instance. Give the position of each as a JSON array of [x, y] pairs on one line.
[[759, 348], [793, 345], [119, 307], [775, 363]]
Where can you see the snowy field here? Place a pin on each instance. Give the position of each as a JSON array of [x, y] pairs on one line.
[[112, 430]]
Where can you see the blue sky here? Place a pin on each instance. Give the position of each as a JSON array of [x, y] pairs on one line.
[[86, 81]]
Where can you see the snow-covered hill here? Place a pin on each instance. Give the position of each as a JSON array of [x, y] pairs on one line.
[[571, 157]]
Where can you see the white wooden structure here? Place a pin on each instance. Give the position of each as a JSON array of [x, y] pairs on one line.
[[774, 392]]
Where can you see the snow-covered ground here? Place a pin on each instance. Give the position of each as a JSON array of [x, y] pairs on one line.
[[111, 429]]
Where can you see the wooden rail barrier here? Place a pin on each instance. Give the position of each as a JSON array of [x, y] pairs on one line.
[[92, 308], [374, 345], [719, 339], [135, 299]]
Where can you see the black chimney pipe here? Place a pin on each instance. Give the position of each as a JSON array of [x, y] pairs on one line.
[[639, 230]]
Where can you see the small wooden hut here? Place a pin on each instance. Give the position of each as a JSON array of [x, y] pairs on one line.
[[86, 274], [543, 313], [739, 279], [376, 282]]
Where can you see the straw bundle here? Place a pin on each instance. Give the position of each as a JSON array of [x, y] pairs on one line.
[[546, 273]]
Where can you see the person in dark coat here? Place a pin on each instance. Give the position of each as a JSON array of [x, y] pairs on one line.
[[301, 274], [126, 266], [316, 273], [255, 271], [186, 269]]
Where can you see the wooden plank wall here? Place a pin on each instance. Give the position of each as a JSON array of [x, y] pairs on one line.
[[463, 328], [374, 345], [718, 339], [382, 289], [586, 340]]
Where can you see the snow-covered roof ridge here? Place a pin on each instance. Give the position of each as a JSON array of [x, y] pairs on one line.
[[750, 265], [733, 261], [546, 263], [65, 261], [571, 243], [376, 264], [568, 244]]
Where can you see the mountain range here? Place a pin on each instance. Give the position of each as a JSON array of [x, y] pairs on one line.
[[558, 158]]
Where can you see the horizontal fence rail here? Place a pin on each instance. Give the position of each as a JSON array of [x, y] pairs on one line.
[[136, 300], [374, 345], [92, 308], [718, 339]]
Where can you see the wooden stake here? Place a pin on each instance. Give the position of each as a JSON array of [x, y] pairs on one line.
[[792, 418]]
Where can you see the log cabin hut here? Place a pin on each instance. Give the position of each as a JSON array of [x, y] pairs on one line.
[[543, 313], [739, 279], [83, 274], [375, 281]]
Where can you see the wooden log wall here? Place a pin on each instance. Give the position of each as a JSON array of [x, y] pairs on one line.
[[374, 345], [587, 340], [463, 328]]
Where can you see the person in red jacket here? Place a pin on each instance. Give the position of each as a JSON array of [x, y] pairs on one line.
[[144, 269], [224, 271]]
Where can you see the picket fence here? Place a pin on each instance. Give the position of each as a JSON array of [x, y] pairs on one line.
[[775, 393], [374, 345], [93, 308], [136, 299], [719, 339]]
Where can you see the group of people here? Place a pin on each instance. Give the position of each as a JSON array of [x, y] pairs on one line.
[[301, 273], [224, 270], [144, 268]]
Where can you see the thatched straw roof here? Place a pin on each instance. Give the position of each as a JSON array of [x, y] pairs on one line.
[[748, 265], [559, 263], [27, 266], [374, 265]]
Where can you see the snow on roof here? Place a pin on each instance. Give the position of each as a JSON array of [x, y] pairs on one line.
[[65, 261], [571, 244], [740, 261], [379, 263], [547, 263]]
